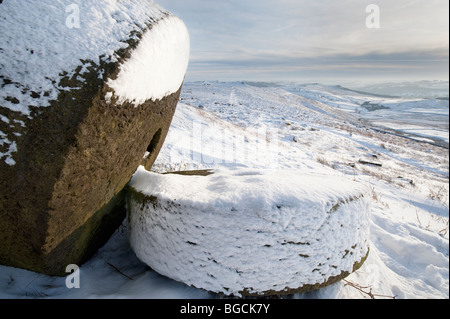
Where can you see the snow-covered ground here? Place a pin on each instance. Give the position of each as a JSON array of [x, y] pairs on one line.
[[311, 128]]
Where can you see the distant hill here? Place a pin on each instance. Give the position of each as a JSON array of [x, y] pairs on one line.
[[418, 89]]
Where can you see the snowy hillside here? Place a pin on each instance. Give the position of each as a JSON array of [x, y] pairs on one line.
[[310, 128], [413, 116]]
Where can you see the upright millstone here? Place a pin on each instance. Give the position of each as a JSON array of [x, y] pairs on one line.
[[82, 105]]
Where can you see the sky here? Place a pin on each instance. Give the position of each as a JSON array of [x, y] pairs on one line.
[[325, 41]]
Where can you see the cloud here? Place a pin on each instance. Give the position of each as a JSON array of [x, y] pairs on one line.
[[370, 67], [252, 36]]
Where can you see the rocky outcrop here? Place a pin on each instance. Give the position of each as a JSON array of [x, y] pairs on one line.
[[81, 107], [249, 232]]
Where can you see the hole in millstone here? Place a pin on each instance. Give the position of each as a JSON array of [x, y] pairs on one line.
[[154, 142]]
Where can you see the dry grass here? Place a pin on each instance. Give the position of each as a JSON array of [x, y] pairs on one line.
[[322, 160], [366, 291], [378, 174], [439, 194], [377, 197]]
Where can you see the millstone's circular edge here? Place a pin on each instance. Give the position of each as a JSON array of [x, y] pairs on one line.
[[306, 288]]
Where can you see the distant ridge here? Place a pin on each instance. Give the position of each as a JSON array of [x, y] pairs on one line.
[[366, 93]]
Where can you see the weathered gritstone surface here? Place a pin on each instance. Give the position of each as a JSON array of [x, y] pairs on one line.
[[246, 232], [69, 141]]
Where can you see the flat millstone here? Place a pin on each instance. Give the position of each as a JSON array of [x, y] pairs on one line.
[[223, 246]]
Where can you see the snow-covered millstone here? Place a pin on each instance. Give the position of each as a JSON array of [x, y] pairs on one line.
[[249, 232], [88, 89]]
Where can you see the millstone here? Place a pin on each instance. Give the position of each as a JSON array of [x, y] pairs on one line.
[[247, 232], [71, 131]]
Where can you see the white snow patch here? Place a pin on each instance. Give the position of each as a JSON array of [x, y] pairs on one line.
[[8, 154], [4, 119], [158, 65]]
